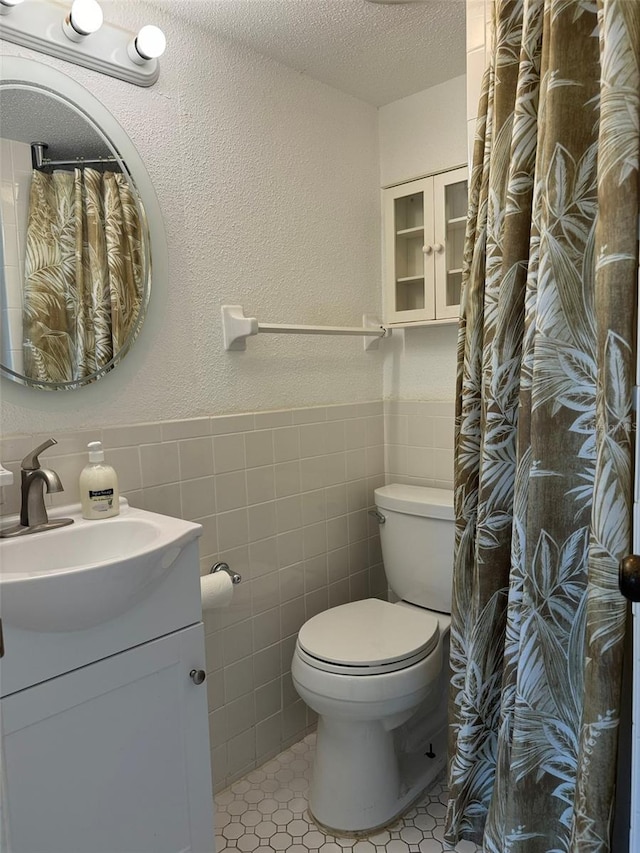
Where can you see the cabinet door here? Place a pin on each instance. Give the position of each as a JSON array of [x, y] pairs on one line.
[[409, 271], [450, 217], [113, 757]]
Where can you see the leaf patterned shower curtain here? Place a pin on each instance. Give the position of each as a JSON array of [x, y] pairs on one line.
[[544, 430], [83, 273]]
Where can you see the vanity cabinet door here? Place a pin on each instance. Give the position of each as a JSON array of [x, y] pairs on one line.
[[113, 757]]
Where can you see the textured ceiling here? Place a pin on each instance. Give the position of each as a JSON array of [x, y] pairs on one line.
[[378, 53], [30, 116]]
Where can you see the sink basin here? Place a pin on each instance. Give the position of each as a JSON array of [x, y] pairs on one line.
[[75, 577]]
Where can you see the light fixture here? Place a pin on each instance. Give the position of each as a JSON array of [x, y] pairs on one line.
[[83, 37], [7, 5], [150, 43], [85, 17]]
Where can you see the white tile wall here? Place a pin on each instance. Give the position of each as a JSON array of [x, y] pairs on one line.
[[15, 182], [475, 70], [419, 443], [479, 35], [475, 24], [283, 498]]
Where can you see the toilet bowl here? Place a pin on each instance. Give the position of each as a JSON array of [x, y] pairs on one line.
[[377, 674]]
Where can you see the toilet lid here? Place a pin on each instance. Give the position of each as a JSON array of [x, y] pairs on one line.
[[369, 633]]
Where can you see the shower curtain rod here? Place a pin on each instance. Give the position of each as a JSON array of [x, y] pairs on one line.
[[237, 328], [41, 162]]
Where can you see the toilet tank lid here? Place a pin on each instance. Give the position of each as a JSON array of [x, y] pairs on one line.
[[416, 500]]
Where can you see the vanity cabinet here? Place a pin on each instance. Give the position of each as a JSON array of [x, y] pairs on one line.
[[104, 725], [113, 757], [424, 228]]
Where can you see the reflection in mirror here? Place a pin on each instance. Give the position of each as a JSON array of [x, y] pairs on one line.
[[75, 265]]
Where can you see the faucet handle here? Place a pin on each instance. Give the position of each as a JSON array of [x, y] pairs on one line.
[[31, 461]]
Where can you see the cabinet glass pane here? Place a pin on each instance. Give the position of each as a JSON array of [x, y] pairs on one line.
[[456, 200], [409, 212], [454, 287], [409, 239], [409, 257], [456, 219], [455, 248], [410, 294]]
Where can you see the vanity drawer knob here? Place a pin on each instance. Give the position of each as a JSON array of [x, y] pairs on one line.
[[198, 675]]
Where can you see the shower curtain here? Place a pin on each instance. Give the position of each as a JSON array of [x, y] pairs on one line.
[[544, 423], [83, 273]]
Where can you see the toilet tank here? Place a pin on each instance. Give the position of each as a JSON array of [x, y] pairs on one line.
[[417, 543]]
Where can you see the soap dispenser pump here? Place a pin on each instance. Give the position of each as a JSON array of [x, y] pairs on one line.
[[98, 486]]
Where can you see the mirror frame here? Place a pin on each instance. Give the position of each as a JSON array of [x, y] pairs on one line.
[[20, 70]]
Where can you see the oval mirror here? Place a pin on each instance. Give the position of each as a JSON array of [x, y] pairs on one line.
[[76, 243]]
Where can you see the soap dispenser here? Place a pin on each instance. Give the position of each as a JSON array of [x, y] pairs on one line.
[[98, 486]]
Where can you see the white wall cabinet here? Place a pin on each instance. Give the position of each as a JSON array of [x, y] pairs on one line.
[[424, 227], [112, 757]]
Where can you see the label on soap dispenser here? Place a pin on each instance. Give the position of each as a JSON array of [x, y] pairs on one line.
[[101, 500]]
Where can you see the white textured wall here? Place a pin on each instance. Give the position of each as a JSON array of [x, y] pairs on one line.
[[423, 133], [420, 364], [268, 183], [420, 135]]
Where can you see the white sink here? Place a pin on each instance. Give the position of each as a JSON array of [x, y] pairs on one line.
[[75, 577]]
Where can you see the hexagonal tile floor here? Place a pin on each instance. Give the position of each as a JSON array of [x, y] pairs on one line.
[[266, 812]]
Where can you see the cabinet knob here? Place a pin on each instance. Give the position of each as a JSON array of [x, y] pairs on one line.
[[427, 249], [198, 675], [439, 247]]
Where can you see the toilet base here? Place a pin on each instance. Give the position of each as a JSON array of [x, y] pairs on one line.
[[361, 783]]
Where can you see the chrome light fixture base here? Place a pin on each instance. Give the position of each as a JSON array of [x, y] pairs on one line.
[[38, 24]]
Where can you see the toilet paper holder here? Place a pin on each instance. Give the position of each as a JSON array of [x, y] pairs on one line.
[[224, 567]]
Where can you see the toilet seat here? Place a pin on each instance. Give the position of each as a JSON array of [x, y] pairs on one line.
[[369, 637]]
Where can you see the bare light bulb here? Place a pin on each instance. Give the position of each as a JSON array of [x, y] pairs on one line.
[[84, 18], [7, 5], [150, 43]]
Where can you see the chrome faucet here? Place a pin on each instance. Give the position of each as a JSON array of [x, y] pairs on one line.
[[34, 479]]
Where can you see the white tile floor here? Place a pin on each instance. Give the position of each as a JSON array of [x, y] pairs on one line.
[[267, 811]]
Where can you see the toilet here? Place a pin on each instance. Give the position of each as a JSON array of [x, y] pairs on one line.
[[377, 673]]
